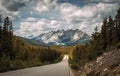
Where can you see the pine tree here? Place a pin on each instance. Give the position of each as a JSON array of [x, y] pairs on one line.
[[95, 36], [109, 31], [114, 33], [0, 35], [6, 39], [117, 24], [0, 41], [103, 34]]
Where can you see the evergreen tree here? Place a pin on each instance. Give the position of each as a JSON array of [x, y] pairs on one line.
[[0, 41], [103, 34], [95, 35], [117, 24], [109, 31], [6, 39], [0, 35], [109, 37], [96, 42], [114, 33]]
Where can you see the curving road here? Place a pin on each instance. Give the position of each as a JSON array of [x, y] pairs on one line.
[[58, 69]]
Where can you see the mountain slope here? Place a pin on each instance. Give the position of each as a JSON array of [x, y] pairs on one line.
[[107, 64], [33, 42], [63, 37]]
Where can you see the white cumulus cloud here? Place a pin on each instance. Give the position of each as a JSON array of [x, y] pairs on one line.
[[87, 17], [30, 19], [48, 15], [35, 28]]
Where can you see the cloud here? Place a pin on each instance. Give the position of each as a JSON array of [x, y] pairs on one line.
[[44, 5], [29, 19], [11, 8], [87, 17], [103, 1], [39, 16], [85, 2], [12, 5], [71, 12], [35, 28]]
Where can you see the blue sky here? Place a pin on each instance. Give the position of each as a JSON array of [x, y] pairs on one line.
[[33, 17]]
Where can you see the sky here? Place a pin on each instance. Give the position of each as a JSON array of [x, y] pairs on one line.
[[33, 17]]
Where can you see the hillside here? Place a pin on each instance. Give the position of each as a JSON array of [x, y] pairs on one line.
[[107, 64], [33, 42], [101, 57]]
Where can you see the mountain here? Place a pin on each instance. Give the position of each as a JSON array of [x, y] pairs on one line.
[[63, 37], [32, 42]]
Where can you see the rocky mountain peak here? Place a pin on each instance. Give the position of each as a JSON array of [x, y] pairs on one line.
[[63, 37]]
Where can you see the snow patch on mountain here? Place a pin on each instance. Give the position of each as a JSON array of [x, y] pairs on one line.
[[63, 37]]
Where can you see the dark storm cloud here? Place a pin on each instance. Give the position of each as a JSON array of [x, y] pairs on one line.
[[13, 5]]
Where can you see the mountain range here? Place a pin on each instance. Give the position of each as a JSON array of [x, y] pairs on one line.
[[63, 37]]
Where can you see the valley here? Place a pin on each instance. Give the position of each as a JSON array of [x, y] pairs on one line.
[[59, 37]]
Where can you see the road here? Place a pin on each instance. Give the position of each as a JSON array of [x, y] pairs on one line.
[[58, 69]]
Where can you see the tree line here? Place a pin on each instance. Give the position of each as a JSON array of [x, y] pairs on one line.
[[15, 53], [106, 39]]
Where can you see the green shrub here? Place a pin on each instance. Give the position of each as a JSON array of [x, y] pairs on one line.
[[4, 63], [74, 66], [17, 64]]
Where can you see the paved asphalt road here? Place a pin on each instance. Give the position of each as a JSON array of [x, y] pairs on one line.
[[58, 69]]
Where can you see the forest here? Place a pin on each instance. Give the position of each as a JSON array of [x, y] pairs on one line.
[[106, 39], [16, 54]]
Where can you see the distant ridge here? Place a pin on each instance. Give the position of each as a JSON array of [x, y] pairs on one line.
[[63, 37], [33, 42]]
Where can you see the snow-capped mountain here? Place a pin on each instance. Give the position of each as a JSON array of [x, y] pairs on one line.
[[63, 37]]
